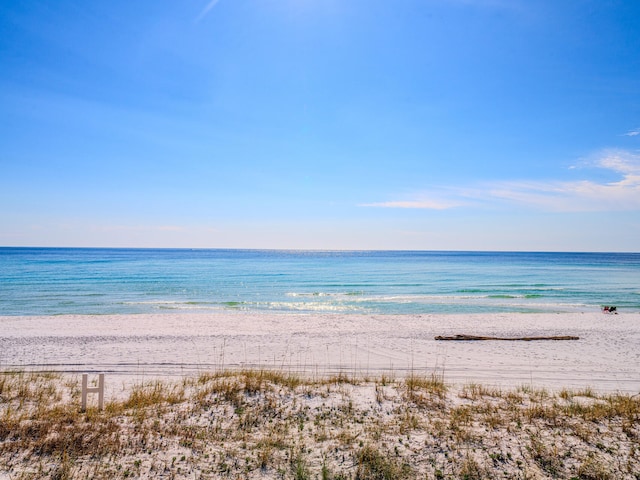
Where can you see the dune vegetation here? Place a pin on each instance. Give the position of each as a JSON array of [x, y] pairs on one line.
[[257, 424]]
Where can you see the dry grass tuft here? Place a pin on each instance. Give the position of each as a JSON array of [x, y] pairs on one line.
[[593, 468], [373, 464], [426, 391]]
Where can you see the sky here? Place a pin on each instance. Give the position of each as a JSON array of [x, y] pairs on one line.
[[321, 124]]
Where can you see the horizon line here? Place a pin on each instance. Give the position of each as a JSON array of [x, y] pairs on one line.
[[318, 250]]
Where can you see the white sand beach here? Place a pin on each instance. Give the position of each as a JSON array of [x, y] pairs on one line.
[[605, 358], [177, 409]]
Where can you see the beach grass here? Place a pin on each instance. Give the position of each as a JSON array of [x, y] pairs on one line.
[[257, 424]]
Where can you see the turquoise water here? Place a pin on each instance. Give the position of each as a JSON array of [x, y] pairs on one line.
[[51, 281]]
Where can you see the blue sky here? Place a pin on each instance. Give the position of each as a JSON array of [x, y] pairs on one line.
[[321, 124]]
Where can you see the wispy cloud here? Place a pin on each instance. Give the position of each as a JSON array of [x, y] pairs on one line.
[[632, 133], [622, 194], [421, 203], [206, 10], [138, 228]]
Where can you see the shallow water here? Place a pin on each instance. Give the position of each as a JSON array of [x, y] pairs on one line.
[[54, 281]]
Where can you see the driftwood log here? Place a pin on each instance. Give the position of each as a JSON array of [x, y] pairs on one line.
[[524, 339]]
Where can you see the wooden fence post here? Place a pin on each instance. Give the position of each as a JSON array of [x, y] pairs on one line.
[[99, 390]]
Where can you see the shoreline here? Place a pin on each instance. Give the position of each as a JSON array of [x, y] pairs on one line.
[[605, 358]]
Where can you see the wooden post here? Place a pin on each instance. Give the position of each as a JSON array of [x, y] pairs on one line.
[[99, 390]]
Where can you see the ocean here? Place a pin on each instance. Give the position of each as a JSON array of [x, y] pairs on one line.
[[87, 281]]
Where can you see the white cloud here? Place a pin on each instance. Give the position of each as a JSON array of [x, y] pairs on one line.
[[584, 195], [632, 133], [419, 204], [619, 161], [579, 196]]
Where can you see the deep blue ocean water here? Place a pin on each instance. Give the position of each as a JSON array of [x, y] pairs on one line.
[[51, 281]]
